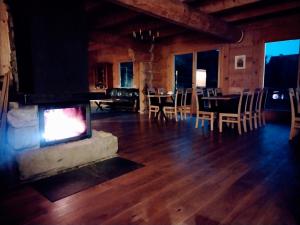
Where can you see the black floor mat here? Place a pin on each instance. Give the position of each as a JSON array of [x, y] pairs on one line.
[[65, 184]]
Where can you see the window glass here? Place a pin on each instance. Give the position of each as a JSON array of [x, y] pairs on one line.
[[208, 61], [126, 74], [281, 72], [183, 70]]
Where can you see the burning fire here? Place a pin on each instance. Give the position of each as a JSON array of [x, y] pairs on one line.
[[63, 123]]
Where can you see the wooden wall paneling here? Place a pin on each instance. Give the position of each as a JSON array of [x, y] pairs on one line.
[[92, 60], [259, 60], [224, 68], [171, 72]]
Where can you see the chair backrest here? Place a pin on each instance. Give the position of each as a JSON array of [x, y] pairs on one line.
[[218, 92], [249, 103], [294, 102], [256, 96], [297, 93], [210, 92], [179, 97], [262, 99], [243, 101], [200, 105], [151, 91], [188, 97], [161, 91], [152, 100]]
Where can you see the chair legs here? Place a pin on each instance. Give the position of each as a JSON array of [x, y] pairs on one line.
[[237, 120], [255, 120], [250, 122], [259, 119], [244, 120], [206, 116], [240, 128], [295, 126], [197, 121], [212, 122], [181, 113], [292, 132], [263, 118], [169, 112], [220, 125]]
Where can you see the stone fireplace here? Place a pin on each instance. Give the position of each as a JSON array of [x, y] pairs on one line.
[[54, 138], [49, 128]]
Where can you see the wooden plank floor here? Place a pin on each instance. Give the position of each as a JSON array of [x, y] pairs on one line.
[[191, 176]]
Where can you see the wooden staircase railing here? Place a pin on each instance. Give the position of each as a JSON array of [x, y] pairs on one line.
[[3, 105]]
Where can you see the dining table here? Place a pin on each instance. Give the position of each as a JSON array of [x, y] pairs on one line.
[[162, 102], [222, 102], [222, 97]]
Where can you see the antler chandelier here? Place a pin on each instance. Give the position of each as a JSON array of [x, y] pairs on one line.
[[145, 35]]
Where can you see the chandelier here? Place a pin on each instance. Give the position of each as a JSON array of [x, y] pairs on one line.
[[145, 35]]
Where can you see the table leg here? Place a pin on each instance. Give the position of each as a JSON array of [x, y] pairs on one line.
[[161, 113], [99, 107]]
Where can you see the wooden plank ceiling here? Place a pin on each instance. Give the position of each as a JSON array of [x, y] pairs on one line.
[[218, 18]]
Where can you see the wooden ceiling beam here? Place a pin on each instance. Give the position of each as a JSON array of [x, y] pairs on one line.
[[221, 5], [262, 11], [188, 1], [114, 19], [136, 25], [181, 14], [91, 6], [170, 31], [100, 40]]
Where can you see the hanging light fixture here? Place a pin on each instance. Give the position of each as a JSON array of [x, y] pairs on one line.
[[145, 35]]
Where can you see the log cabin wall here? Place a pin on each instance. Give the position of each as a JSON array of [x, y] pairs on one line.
[[255, 35], [143, 56]]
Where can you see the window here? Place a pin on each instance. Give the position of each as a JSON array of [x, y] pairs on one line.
[[208, 61], [183, 70], [126, 74], [281, 72]]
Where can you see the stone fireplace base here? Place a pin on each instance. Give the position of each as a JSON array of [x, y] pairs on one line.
[[34, 164]]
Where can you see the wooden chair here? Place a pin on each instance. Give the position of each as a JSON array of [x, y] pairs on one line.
[[218, 92], [236, 114], [180, 105], [153, 102], [203, 113], [295, 114], [210, 92], [249, 111], [187, 105], [176, 106], [161, 91], [261, 107], [255, 106]]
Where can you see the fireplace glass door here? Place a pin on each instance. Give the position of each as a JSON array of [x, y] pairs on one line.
[[63, 123]]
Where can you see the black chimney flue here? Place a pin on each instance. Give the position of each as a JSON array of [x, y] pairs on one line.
[[51, 46]]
